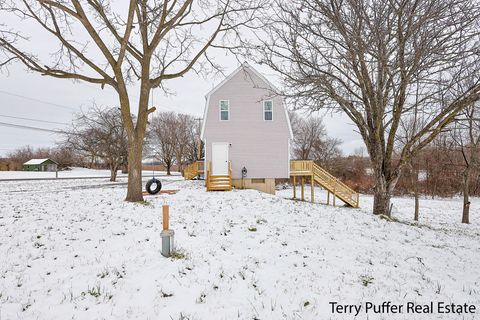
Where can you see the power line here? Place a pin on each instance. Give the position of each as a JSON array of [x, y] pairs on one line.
[[37, 100], [19, 126], [30, 119]]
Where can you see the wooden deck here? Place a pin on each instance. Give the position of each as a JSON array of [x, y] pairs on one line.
[[193, 171], [299, 169], [309, 169]]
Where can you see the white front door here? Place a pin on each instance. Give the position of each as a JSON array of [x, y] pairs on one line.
[[219, 158]]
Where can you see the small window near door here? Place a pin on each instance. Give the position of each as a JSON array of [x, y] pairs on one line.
[[224, 110], [268, 110]]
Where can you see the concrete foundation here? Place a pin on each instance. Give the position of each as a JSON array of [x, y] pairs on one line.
[[266, 185]]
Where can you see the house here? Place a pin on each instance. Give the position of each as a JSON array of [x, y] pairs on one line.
[[247, 133], [40, 165]]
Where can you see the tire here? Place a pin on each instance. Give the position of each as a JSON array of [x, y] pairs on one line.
[[153, 186]]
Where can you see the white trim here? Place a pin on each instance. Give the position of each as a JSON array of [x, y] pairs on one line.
[[263, 102], [205, 161], [205, 110], [288, 156], [220, 110], [288, 119]]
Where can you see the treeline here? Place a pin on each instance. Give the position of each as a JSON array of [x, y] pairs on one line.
[[99, 136], [447, 167], [65, 157], [98, 139]]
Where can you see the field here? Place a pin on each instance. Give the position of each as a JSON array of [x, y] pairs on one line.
[[73, 249], [66, 174]]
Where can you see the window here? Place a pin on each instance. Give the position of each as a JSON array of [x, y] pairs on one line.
[[268, 110], [224, 110]]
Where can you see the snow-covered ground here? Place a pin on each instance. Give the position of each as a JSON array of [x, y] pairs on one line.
[[74, 173], [73, 249]]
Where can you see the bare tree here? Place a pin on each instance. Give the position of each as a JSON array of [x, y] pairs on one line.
[[466, 135], [164, 138], [99, 134], [21, 155], [311, 140], [138, 42], [184, 132], [63, 156], [369, 59], [195, 146]]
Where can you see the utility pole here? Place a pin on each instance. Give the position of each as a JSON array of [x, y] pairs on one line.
[[199, 148]]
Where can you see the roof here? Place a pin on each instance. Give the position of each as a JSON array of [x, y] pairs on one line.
[[241, 67], [38, 161]]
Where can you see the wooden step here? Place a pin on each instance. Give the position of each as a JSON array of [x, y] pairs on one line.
[[343, 193], [219, 183], [222, 181], [219, 188]]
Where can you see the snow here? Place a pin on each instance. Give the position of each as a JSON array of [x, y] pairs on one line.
[[73, 249], [74, 173], [36, 161]]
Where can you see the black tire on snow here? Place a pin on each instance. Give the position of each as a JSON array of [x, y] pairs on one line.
[[153, 183]]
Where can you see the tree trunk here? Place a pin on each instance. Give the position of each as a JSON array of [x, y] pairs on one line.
[[113, 173], [414, 181], [134, 190], [466, 196], [382, 194], [381, 200], [417, 206], [169, 166]]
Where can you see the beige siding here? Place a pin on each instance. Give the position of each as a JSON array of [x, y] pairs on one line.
[[261, 146]]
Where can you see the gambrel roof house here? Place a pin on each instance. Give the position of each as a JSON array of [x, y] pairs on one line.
[[246, 130], [247, 135]]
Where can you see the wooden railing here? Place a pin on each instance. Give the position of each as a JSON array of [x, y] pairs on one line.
[[193, 170], [218, 182], [325, 179], [300, 166], [207, 176]]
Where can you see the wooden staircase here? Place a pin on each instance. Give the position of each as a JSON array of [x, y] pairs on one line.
[[193, 170], [219, 183], [308, 168]]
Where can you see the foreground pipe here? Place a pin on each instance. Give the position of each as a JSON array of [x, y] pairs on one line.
[[166, 234]]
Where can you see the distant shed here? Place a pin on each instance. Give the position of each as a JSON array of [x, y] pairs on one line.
[[40, 165]]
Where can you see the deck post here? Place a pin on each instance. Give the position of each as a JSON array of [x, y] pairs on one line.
[[294, 187], [334, 193], [303, 186], [328, 197], [312, 186]]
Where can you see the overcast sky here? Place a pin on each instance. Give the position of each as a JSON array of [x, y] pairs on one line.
[[28, 95]]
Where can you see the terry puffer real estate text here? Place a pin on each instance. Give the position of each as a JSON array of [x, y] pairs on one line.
[[388, 307]]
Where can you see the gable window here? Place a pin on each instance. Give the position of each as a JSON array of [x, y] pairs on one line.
[[224, 110], [268, 110]]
